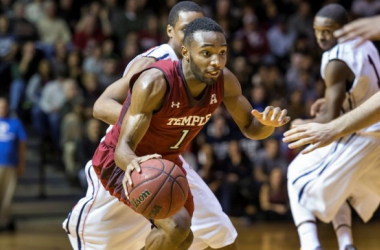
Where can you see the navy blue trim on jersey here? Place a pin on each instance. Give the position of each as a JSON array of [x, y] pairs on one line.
[[337, 52], [300, 194], [81, 211], [67, 223], [163, 57]]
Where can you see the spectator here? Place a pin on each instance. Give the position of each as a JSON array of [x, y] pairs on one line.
[[88, 143], [236, 187], [127, 20], [243, 72], [8, 51], [91, 92], [34, 11], [12, 162], [69, 10], [22, 70], [281, 38], [258, 97], [267, 159], [23, 29], [51, 102], [34, 88], [87, 34], [217, 135], [302, 21], [71, 133], [109, 74], [93, 62], [52, 29], [150, 35], [58, 59], [274, 198], [365, 8], [255, 42], [74, 65]]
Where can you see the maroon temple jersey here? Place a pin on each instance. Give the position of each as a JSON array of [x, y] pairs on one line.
[[171, 129]]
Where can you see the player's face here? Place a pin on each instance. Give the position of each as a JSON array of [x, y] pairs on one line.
[[177, 32], [208, 56], [324, 28]]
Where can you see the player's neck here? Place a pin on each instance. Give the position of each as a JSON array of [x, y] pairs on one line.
[[171, 44], [195, 87]]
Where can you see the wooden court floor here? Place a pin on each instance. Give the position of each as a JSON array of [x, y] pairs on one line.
[[46, 234]]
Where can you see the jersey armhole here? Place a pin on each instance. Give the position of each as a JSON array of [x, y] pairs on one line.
[[349, 83]]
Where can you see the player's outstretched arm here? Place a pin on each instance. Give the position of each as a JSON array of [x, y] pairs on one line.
[[365, 28], [253, 124], [147, 96], [321, 135], [108, 106]]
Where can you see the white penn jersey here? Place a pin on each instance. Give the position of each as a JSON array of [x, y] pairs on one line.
[[162, 52], [364, 62]]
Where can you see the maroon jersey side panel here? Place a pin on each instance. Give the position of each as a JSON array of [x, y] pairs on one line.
[[171, 129]]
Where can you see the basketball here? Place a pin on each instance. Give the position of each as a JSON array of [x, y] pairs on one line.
[[159, 191]]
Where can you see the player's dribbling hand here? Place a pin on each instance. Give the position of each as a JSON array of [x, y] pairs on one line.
[[135, 165], [272, 116]]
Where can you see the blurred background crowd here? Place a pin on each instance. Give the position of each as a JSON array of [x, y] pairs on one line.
[[57, 57]]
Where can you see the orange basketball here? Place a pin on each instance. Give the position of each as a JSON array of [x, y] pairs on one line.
[[160, 190]]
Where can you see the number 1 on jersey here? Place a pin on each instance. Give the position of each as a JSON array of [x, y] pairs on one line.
[[184, 134]]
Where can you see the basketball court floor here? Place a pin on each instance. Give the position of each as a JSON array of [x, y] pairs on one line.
[[46, 234]]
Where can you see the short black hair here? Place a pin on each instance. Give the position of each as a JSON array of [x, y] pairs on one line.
[[200, 24], [336, 12], [186, 6]]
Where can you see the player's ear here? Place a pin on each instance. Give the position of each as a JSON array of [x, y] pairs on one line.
[[185, 53], [169, 31]]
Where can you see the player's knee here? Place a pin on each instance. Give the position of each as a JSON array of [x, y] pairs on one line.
[[179, 228], [187, 242]]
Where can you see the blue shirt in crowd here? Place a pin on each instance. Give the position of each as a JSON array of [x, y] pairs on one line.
[[11, 133]]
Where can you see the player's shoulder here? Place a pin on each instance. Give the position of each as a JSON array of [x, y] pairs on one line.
[[349, 47], [152, 75], [161, 52]]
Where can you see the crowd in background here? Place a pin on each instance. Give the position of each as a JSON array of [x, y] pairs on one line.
[[57, 57]]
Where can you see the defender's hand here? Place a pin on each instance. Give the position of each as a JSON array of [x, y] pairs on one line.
[[134, 165], [319, 135], [272, 116], [364, 28]]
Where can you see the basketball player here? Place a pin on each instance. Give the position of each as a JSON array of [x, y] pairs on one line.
[[168, 105], [210, 225], [320, 183], [208, 233], [320, 135]]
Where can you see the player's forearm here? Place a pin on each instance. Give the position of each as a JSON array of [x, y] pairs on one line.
[[123, 155], [257, 131], [107, 111], [363, 116]]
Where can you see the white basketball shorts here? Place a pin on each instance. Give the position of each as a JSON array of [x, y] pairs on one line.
[[100, 222], [348, 169]]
